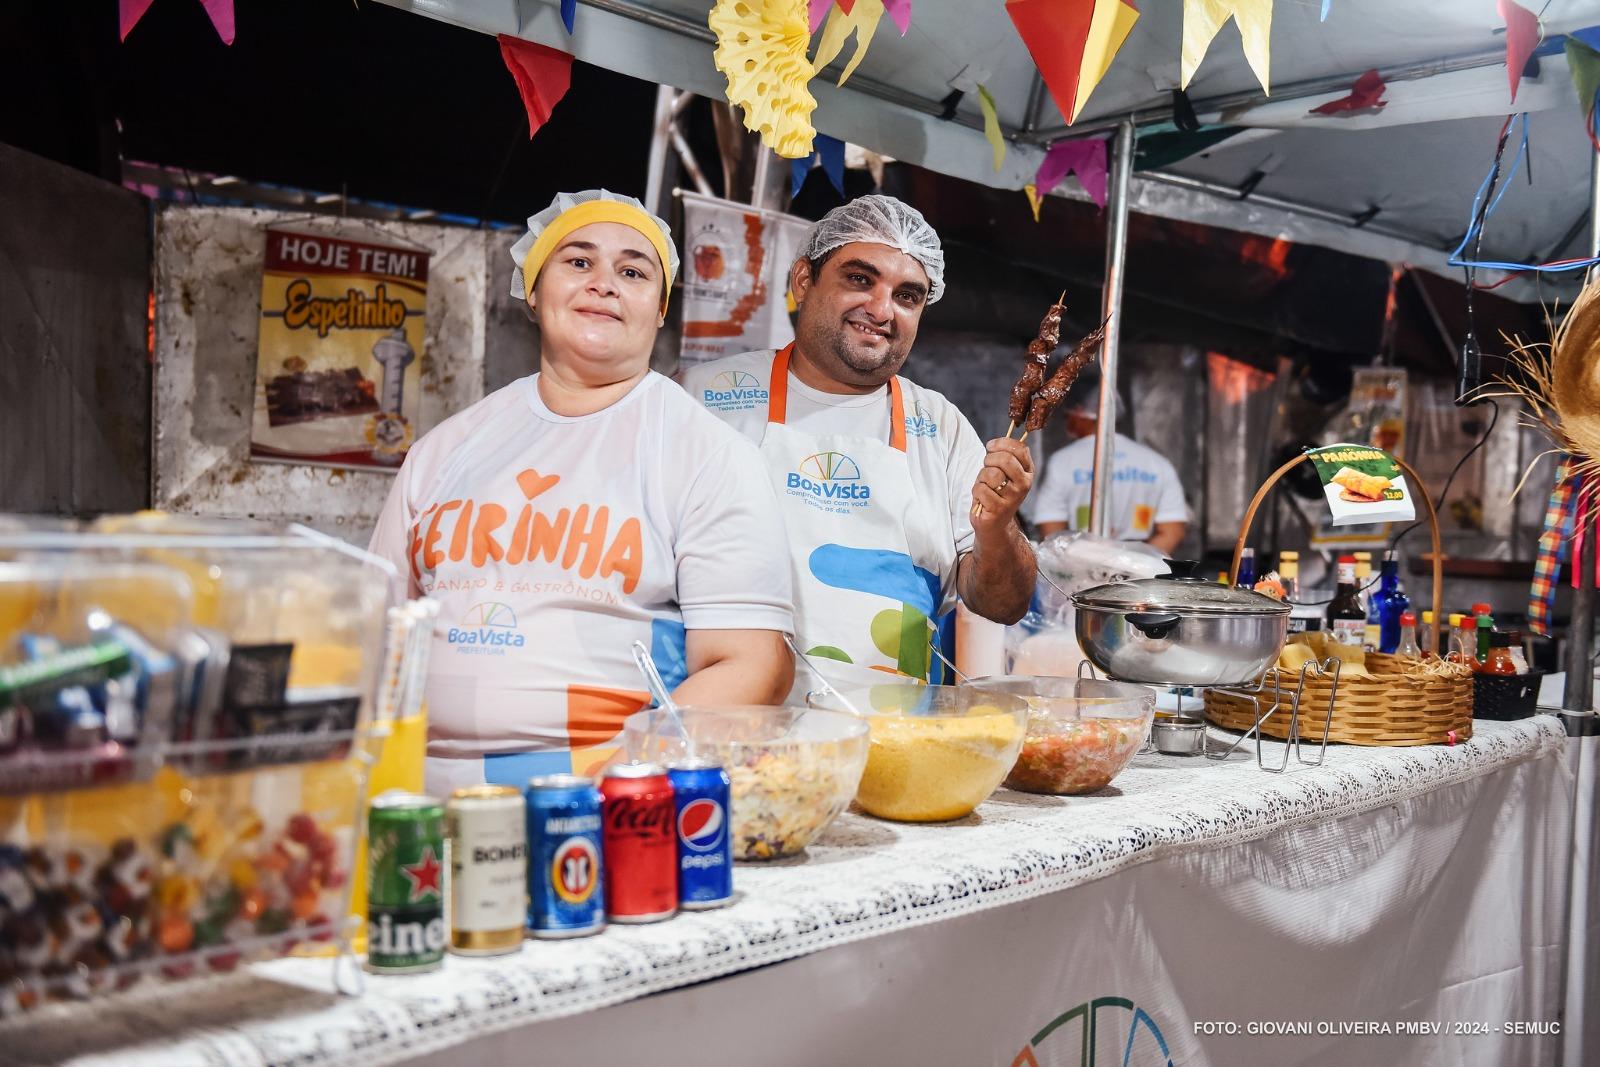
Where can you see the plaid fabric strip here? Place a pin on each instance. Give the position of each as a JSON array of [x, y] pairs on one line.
[[1558, 521]]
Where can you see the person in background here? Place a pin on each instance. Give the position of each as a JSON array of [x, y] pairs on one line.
[[877, 476], [1146, 499], [579, 510]]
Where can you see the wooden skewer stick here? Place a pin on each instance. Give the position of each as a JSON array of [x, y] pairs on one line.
[[1010, 426]]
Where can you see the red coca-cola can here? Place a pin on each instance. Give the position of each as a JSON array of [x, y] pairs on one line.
[[641, 845]]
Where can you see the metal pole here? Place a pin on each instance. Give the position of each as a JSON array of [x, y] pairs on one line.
[[1579, 691], [758, 186], [1111, 309], [660, 144]]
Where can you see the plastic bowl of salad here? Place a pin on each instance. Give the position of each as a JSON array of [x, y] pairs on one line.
[[1081, 731], [792, 770]]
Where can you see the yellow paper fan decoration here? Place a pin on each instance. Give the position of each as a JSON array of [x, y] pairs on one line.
[[761, 50]]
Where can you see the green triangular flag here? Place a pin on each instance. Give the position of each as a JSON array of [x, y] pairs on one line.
[[1584, 63]]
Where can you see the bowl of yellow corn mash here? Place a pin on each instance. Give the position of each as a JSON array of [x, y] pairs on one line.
[[791, 770], [936, 751]]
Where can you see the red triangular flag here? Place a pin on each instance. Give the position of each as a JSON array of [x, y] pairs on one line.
[[129, 12], [1522, 37], [542, 74], [1364, 94], [1055, 32], [846, 5]]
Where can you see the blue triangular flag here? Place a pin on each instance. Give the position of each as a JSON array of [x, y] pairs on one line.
[[1589, 35], [569, 12], [1327, 5], [798, 169], [831, 149]]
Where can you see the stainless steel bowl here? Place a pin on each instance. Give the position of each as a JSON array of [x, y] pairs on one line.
[[1180, 631]]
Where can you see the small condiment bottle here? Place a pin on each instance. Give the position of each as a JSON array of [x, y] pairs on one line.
[[1455, 638], [1425, 634], [1498, 660], [1516, 652], [1408, 637], [1485, 639]]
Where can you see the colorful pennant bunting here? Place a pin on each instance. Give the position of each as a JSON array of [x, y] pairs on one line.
[[1085, 157], [1327, 6], [1202, 19], [861, 17], [1522, 37], [129, 12], [830, 152], [816, 11], [1033, 199], [1584, 63], [899, 13], [569, 14], [991, 127], [1364, 94], [542, 74], [1072, 42]]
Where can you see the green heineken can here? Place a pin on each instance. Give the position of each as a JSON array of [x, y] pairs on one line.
[[406, 930]]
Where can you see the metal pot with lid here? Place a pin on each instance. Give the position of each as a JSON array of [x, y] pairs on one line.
[[1180, 630]]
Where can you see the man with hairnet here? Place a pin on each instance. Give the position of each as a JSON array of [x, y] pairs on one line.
[[892, 503]]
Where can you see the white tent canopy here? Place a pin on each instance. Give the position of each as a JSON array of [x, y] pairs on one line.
[[1418, 160]]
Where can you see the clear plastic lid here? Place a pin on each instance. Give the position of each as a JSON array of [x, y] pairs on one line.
[[1187, 596]]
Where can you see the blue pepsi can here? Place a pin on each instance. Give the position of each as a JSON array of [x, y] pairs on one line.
[[705, 833], [566, 895]]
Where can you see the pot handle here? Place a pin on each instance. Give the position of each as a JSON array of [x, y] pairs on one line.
[[1153, 624]]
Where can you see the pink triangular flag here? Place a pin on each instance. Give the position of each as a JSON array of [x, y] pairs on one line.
[[818, 10], [899, 12], [129, 12], [543, 76], [221, 12], [1522, 37], [1086, 158]]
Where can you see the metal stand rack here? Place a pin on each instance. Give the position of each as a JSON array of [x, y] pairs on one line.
[[1271, 684], [1271, 696]]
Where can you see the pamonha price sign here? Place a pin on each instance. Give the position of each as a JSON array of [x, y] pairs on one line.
[[1362, 485]]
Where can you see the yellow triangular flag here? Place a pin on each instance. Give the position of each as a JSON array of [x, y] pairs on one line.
[[1203, 18], [1108, 28], [1033, 199], [991, 126], [863, 19]]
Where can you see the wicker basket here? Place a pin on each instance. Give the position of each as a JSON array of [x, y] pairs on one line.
[[1388, 707]]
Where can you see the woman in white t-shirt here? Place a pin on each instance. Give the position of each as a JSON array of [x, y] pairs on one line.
[[578, 510]]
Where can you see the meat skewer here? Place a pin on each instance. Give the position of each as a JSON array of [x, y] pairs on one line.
[[1045, 398], [1033, 373], [1055, 390]]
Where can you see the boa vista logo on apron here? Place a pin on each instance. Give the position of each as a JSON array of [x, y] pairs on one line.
[[830, 481]]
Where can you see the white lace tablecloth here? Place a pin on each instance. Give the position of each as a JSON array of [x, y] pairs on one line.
[[864, 877]]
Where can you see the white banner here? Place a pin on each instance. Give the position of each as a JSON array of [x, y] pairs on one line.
[[736, 261], [1425, 933]]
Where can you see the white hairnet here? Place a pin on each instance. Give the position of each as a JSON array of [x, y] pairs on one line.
[[558, 207], [881, 220]]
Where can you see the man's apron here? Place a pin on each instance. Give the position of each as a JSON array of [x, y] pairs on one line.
[[855, 536]]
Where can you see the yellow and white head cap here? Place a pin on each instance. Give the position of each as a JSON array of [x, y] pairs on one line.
[[570, 211]]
